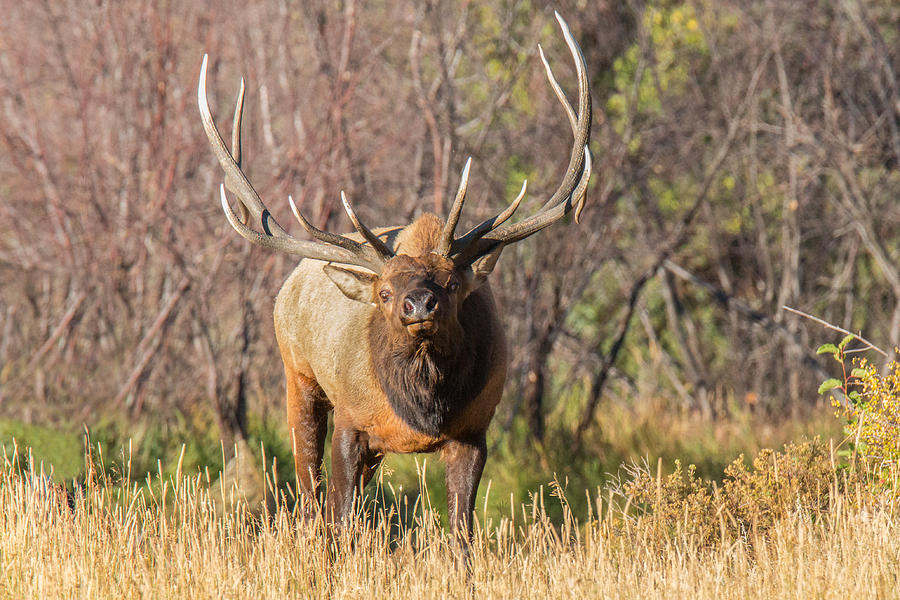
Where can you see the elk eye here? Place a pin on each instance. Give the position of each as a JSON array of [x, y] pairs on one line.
[[385, 295], [454, 285]]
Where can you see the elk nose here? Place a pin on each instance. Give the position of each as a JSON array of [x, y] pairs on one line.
[[419, 305]]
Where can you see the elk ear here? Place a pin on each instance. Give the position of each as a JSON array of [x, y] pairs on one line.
[[356, 285], [484, 266]]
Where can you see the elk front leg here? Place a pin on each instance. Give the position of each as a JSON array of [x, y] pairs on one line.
[[352, 465], [307, 417], [465, 463]]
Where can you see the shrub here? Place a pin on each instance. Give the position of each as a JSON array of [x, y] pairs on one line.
[[873, 415], [750, 500], [869, 401]]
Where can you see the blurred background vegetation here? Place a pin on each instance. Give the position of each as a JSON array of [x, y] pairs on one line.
[[746, 160]]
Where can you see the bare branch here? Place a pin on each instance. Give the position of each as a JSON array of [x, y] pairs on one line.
[[869, 345]]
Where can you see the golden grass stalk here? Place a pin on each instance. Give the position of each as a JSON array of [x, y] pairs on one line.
[[165, 538]]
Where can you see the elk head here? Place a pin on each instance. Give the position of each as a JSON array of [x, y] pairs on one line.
[[420, 295]]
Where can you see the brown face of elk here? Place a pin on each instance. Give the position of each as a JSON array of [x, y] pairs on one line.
[[417, 296]]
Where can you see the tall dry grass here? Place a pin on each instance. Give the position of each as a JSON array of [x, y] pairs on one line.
[[166, 538]]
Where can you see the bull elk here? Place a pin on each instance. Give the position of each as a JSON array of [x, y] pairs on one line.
[[407, 349]]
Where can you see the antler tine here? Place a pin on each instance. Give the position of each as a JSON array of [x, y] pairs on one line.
[[571, 190], [573, 121], [255, 237], [477, 232], [557, 89], [367, 234], [446, 241], [323, 236], [372, 256], [236, 145], [236, 126], [580, 192], [339, 250], [235, 179]]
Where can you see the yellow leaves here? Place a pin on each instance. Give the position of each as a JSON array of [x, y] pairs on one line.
[[640, 81], [765, 183], [617, 104], [874, 417], [634, 144], [733, 224]]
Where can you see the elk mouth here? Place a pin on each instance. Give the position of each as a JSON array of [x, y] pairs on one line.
[[422, 328]]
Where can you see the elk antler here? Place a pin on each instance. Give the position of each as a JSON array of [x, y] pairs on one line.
[[481, 240], [446, 240], [485, 237], [330, 247]]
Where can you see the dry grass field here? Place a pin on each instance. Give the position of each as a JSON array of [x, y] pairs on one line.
[[746, 159], [171, 538]]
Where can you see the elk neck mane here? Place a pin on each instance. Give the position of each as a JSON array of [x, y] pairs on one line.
[[429, 381]]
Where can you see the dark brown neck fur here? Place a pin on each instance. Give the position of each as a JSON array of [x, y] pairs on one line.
[[429, 381]]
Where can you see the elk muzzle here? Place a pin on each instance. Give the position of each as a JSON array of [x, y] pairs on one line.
[[418, 311]]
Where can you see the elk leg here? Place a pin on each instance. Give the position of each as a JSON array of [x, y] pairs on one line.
[[465, 463], [352, 465], [307, 417]]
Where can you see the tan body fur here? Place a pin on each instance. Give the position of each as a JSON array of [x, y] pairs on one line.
[[328, 363]]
